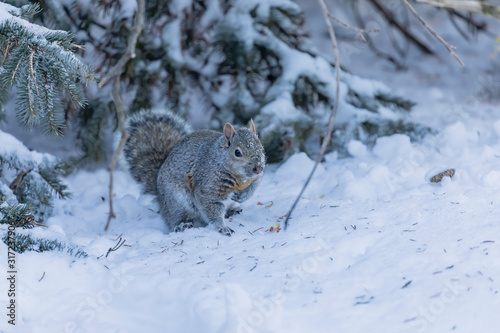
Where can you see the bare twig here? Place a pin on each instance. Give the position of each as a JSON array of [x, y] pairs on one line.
[[476, 26], [333, 115], [398, 63], [456, 26], [120, 243], [120, 112], [132, 41], [360, 32], [388, 15], [449, 47]]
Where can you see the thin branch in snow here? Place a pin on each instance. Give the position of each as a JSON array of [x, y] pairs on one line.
[[333, 115], [448, 46], [121, 241], [121, 122], [120, 112], [360, 32]]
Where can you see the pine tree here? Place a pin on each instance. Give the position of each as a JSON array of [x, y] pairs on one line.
[[29, 183], [28, 178], [24, 242], [220, 60], [41, 64], [16, 215]]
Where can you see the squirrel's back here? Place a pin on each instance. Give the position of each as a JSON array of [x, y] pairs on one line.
[[152, 135]]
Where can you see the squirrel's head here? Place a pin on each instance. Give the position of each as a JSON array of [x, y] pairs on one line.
[[245, 151]]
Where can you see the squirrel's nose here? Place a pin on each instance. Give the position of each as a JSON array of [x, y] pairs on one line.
[[257, 169]]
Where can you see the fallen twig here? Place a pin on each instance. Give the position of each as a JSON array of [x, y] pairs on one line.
[[116, 247]]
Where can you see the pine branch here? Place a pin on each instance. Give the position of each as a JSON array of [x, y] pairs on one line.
[[12, 67], [50, 177], [22, 243], [37, 183], [39, 62], [17, 215], [26, 10], [395, 102], [27, 102]]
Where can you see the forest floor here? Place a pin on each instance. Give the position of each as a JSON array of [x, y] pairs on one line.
[[373, 246]]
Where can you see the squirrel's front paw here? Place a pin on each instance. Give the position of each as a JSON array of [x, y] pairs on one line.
[[226, 231], [183, 226], [232, 211]]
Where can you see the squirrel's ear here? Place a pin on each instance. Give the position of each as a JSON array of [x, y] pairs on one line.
[[252, 126], [229, 133]]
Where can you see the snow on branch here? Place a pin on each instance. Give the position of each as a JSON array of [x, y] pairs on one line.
[[40, 62], [29, 180], [474, 6]]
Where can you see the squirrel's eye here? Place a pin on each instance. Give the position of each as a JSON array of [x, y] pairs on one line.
[[237, 153]]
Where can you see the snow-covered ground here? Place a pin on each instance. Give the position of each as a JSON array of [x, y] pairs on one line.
[[373, 246]]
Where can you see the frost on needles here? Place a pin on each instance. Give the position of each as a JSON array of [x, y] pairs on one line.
[[29, 183], [41, 64], [28, 178]]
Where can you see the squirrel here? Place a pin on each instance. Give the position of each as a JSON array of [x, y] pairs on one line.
[[196, 176]]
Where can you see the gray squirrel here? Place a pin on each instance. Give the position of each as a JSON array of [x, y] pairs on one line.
[[196, 176]]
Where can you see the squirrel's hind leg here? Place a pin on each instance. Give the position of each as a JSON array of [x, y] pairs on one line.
[[175, 210]]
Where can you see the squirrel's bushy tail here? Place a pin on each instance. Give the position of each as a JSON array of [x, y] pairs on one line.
[[152, 135]]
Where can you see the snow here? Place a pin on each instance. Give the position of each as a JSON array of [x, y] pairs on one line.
[[10, 146], [6, 12], [366, 227], [373, 246]]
